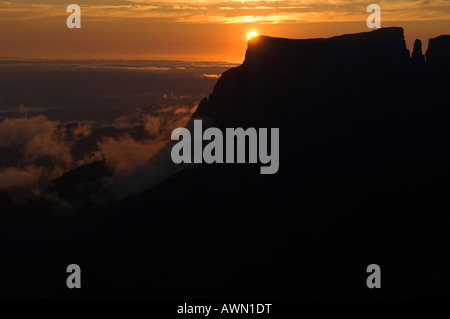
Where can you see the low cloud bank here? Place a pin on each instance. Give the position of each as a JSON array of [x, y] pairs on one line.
[[42, 150]]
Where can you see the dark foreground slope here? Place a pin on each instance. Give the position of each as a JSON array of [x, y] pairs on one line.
[[364, 178]]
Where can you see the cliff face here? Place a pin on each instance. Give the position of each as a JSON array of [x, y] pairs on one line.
[[438, 52], [339, 100], [280, 74], [358, 97], [363, 171]]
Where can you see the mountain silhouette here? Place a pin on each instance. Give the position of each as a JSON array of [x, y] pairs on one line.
[[364, 179]]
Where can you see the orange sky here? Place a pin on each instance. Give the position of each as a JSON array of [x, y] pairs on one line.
[[170, 29]]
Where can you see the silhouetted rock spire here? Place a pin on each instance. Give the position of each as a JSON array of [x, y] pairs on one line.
[[417, 55]]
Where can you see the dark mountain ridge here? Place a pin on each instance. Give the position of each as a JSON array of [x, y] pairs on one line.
[[364, 178]]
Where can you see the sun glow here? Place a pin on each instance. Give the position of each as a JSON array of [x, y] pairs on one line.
[[251, 34]]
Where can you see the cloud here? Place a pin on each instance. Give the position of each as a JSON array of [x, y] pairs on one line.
[[126, 154], [82, 130], [49, 143], [19, 131], [45, 147], [13, 177], [214, 76], [234, 11], [152, 124], [135, 170]]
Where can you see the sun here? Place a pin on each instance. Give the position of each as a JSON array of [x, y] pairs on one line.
[[251, 34]]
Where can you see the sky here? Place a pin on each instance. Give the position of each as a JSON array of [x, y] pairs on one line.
[[196, 29]]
